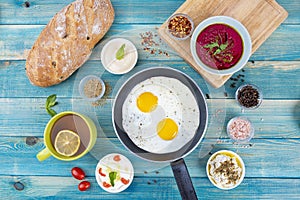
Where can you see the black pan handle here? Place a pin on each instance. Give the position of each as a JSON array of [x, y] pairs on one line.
[[183, 180]]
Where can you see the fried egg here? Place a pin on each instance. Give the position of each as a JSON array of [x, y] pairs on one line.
[[160, 115]]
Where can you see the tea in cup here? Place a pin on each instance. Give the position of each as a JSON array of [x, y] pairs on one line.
[[68, 136]]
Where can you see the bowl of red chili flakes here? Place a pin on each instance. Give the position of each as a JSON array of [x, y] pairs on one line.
[[114, 173], [180, 26]]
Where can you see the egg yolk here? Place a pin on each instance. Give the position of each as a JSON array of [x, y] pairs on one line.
[[167, 129], [147, 102]]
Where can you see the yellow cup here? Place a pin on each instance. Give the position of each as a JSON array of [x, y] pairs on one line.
[[49, 150]]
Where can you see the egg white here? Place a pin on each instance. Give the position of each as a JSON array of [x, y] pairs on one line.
[[175, 101]]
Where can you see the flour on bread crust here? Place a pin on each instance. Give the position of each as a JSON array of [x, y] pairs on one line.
[[67, 41]]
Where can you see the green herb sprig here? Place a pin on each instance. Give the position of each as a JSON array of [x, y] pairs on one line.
[[50, 102], [220, 48], [112, 178], [121, 52]]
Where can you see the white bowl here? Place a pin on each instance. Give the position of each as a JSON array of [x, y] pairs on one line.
[[111, 63], [233, 23], [240, 164], [122, 166], [82, 84]]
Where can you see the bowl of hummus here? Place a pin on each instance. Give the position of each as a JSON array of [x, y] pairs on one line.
[[225, 169]]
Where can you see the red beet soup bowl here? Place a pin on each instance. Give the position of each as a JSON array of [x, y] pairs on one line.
[[221, 45]]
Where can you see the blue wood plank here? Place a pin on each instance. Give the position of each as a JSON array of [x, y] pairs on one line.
[[40, 12], [277, 77], [42, 187], [282, 45], [271, 158], [28, 117], [263, 158]]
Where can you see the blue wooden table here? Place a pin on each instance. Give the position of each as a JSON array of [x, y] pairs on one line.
[[272, 157]]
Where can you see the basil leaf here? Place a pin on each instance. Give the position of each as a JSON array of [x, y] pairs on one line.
[[112, 178], [51, 101], [217, 51], [211, 45], [51, 112], [121, 52], [223, 46]]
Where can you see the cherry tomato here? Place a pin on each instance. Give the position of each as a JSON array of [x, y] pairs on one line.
[[117, 158], [106, 185], [100, 172], [78, 173], [84, 185], [125, 181]]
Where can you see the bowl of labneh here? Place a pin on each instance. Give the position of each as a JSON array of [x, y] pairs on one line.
[[221, 45], [119, 56], [225, 169], [114, 173]]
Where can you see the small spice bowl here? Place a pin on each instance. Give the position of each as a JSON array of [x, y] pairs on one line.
[[225, 169], [248, 96], [91, 88], [240, 129], [180, 26]]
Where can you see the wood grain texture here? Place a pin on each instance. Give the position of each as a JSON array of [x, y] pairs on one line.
[[31, 113], [271, 76], [40, 12], [260, 17], [163, 188], [261, 158], [280, 46], [271, 158]]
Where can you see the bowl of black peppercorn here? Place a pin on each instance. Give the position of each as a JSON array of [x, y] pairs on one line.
[[248, 96]]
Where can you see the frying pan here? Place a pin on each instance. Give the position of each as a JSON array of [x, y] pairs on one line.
[[178, 165]]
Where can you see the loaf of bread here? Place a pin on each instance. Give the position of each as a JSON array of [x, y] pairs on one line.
[[67, 41]]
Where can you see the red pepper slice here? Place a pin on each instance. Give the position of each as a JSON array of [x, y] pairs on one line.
[[117, 158], [106, 185], [100, 172], [125, 181]]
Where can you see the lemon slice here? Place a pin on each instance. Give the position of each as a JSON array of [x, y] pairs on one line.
[[67, 142]]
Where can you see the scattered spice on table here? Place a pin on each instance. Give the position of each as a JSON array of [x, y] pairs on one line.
[[248, 96], [148, 39], [240, 129], [151, 43], [238, 78], [92, 88]]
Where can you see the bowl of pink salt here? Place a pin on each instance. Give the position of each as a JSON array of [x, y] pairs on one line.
[[240, 129]]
